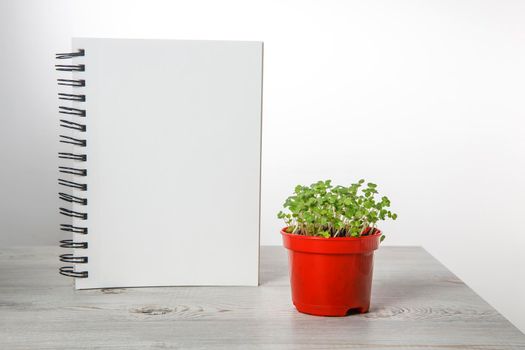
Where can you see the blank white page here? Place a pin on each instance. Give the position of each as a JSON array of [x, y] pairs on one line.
[[174, 149]]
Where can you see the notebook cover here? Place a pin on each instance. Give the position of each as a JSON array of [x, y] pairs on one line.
[[173, 158]]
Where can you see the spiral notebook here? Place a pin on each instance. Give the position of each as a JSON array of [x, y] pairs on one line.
[[160, 173]]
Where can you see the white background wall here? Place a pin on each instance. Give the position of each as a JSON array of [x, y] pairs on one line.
[[425, 98]]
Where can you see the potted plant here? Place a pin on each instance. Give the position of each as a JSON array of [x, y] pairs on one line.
[[331, 235]]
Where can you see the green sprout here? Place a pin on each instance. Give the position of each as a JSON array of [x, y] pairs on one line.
[[326, 211]]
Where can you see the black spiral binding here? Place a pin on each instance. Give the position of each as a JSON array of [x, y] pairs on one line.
[[69, 243], [72, 171], [72, 213], [72, 82], [73, 156], [74, 229], [75, 171], [69, 258], [70, 67], [72, 97], [61, 56], [73, 140], [72, 199], [69, 271], [72, 111], [72, 125], [72, 184]]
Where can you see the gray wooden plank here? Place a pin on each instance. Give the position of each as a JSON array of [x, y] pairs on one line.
[[416, 304]]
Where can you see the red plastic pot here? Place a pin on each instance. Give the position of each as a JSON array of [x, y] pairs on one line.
[[331, 276]]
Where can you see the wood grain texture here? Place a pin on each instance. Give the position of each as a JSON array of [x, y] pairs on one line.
[[416, 304]]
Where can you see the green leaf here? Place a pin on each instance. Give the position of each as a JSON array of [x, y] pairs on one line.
[[382, 238], [320, 208], [325, 234]]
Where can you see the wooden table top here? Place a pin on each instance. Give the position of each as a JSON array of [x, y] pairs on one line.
[[416, 304]]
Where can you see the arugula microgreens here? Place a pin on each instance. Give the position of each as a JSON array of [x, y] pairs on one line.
[[327, 211]]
